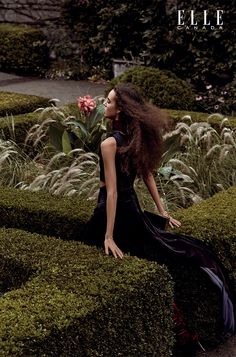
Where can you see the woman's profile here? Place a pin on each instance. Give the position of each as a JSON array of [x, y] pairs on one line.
[[134, 148]]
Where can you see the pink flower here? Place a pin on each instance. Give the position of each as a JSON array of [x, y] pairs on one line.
[[86, 104]]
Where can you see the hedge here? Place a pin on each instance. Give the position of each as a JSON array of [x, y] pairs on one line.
[[163, 88], [43, 213], [77, 302], [214, 222], [23, 49], [16, 103], [199, 300]]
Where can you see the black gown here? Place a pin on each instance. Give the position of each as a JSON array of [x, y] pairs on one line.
[[137, 234]]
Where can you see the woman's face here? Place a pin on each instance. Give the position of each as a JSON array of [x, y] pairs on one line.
[[111, 110]]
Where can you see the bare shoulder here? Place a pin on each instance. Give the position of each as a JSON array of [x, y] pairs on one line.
[[108, 145]]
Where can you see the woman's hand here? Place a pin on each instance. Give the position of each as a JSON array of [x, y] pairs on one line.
[[111, 245], [174, 222], [171, 221]]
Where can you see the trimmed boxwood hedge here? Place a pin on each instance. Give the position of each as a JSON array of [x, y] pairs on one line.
[[16, 103], [65, 218], [162, 87], [214, 222], [78, 302], [43, 213], [23, 49]]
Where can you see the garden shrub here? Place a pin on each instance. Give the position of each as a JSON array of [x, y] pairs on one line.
[[163, 88], [215, 120], [65, 218], [22, 49], [104, 36], [16, 103], [78, 302], [44, 213], [204, 56], [214, 222]]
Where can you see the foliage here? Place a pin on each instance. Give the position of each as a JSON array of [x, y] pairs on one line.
[[214, 222], [23, 50], [104, 36], [76, 175], [205, 160], [217, 99], [65, 218], [163, 88], [83, 130], [204, 56], [15, 165], [85, 293], [16, 103], [215, 120]]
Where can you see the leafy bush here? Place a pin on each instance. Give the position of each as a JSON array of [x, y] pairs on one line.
[[65, 218], [204, 56], [163, 88], [84, 130], [16, 103], [44, 213], [104, 36], [76, 301], [22, 50], [214, 222]]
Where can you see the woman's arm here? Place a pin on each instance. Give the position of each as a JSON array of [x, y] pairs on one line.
[[152, 188], [108, 150]]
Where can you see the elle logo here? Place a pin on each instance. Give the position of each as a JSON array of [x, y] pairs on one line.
[[205, 21]]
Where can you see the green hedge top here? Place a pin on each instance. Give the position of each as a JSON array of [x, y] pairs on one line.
[[43, 213], [77, 302], [16, 103], [214, 222], [163, 88], [23, 49]]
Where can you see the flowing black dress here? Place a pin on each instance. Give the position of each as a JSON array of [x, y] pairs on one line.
[[137, 234]]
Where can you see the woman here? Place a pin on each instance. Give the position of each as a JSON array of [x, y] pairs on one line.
[[118, 223]]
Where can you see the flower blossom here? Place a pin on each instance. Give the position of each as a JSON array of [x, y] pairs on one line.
[[86, 104]]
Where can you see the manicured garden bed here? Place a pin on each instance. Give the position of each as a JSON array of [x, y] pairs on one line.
[[212, 221], [68, 299]]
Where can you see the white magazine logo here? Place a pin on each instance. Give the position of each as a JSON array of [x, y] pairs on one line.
[[186, 20]]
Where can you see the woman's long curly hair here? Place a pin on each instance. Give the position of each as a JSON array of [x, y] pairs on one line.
[[143, 125]]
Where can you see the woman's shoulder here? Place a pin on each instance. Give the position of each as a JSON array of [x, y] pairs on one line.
[[119, 137], [112, 140]]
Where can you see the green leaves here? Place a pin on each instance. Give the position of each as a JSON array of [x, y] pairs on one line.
[[85, 133]]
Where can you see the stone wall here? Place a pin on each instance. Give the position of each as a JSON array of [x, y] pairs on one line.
[[33, 12]]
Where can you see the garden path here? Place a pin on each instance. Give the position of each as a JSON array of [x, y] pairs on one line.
[[67, 91]]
